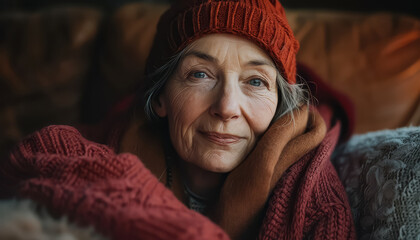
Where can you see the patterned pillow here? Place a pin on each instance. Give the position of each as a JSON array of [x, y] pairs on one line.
[[381, 174]]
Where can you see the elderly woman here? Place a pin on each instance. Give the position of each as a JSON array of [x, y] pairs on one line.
[[228, 131]]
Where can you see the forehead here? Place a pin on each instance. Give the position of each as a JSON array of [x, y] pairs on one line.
[[227, 46]]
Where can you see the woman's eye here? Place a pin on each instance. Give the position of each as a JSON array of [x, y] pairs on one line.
[[256, 82], [199, 75]]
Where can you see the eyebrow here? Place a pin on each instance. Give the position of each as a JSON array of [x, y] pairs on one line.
[[207, 57], [203, 56]]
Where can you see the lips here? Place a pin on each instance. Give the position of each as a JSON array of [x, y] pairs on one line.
[[221, 139]]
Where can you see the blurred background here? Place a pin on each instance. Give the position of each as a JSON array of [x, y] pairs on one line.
[[401, 6]]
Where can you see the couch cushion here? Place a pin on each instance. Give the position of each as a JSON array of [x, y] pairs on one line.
[[129, 38], [44, 60], [374, 58]]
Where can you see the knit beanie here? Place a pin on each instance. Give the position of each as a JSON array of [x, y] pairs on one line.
[[263, 22]]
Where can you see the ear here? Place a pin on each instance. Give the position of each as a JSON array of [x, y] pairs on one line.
[[159, 106]]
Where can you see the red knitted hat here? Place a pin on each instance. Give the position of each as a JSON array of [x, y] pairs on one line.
[[261, 21]]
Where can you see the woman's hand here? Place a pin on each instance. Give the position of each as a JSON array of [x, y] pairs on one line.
[[247, 188]]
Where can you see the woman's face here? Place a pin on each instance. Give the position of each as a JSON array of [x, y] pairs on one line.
[[221, 98]]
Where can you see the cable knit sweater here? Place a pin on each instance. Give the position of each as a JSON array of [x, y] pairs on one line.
[[92, 185]]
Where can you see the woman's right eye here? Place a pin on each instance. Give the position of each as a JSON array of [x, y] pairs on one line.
[[199, 75]]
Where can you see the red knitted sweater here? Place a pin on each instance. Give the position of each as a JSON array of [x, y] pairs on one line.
[[92, 185]]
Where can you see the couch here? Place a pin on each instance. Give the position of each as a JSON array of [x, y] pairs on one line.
[[69, 65]]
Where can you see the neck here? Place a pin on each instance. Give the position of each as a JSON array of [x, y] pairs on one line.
[[203, 183]]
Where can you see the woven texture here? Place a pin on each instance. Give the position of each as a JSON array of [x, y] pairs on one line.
[[260, 21], [381, 173]]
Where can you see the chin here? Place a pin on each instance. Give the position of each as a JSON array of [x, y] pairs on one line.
[[220, 163]]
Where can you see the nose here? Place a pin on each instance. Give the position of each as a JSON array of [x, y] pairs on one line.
[[226, 105]]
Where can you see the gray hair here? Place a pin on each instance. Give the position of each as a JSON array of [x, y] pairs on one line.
[[158, 80], [291, 96]]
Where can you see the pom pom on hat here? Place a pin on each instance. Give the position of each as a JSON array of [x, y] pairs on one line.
[[263, 22]]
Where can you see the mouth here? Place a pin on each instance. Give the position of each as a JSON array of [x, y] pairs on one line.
[[221, 138]]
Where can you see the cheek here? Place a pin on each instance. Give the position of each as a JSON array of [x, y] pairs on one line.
[[186, 100], [261, 111], [185, 105]]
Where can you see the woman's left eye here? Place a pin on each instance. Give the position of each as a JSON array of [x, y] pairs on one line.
[[256, 82]]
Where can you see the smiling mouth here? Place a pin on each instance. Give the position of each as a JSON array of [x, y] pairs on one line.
[[221, 139]]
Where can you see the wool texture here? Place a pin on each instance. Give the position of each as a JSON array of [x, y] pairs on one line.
[[263, 22], [386, 201], [309, 201], [89, 183]]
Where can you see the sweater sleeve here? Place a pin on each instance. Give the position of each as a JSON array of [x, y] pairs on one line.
[[92, 185]]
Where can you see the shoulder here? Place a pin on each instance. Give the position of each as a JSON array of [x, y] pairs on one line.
[[321, 185], [303, 206], [329, 190], [58, 139]]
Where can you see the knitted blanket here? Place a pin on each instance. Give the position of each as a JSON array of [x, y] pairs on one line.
[[381, 173]]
